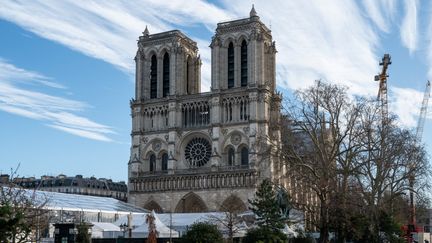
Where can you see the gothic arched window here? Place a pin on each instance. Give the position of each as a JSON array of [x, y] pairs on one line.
[[152, 161], [243, 64], [230, 65], [165, 161], [153, 77], [188, 76], [166, 74], [244, 156], [231, 156]]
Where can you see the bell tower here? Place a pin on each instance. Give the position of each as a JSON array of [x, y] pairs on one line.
[[167, 64], [243, 54]]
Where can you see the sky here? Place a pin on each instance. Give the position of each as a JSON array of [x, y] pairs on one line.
[[67, 69]]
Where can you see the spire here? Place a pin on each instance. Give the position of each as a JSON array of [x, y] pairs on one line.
[[253, 13], [146, 32]]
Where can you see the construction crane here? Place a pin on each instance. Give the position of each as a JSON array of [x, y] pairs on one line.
[[419, 133], [382, 92], [423, 110]]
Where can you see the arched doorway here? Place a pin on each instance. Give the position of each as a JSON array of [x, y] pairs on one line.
[[233, 204], [191, 203], [152, 205]]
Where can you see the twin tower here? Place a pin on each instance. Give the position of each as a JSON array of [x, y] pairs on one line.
[[197, 152]]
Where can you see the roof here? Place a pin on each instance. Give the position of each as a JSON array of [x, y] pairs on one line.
[[105, 226], [75, 202]]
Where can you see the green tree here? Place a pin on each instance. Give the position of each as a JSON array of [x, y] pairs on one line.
[[266, 208], [264, 235], [269, 218], [203, 233]]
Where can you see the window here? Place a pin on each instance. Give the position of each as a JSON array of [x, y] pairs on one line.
[[244, 156], [198, 152], [231, 156], [165, 161], [152, 162], [230, 65], [166, 74], [153, 78], [243, 64], [188, 76]]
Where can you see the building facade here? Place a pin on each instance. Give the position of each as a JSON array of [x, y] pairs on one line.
[[75, 185], [193, 151]]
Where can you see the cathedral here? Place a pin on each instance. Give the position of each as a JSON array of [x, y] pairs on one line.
[[196, 151]]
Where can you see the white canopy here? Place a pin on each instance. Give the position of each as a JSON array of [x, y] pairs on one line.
[[140, 227], [105, 230]]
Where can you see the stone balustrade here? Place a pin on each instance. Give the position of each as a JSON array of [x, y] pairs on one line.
[[192, 180]]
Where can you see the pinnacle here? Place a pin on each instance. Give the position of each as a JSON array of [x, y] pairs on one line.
[[253, 13], [146, 31]]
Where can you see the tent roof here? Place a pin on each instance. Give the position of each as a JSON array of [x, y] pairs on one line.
[[105, 226]]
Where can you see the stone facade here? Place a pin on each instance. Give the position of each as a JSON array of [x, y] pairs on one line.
[[75, 185], [194, 151]]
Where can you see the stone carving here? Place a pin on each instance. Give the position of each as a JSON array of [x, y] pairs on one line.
[[246, 130], [144, 140], [235, 139], [166, 137], [156, 146]]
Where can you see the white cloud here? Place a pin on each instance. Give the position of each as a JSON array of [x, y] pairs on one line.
[[55, 111], [406, 104], [409, 25], [107, 30], [381, 12], [336, 41]]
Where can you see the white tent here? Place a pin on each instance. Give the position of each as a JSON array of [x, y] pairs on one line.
[[163, 230], [140, 227], [105, 230]]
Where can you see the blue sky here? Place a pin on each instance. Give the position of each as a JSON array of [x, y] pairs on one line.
[[67, 70]]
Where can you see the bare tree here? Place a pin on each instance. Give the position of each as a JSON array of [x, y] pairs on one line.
[[229, 219], [391, 157], [318, 145], [22, 214], [339, 149]]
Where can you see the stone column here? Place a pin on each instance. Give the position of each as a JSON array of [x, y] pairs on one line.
[[146, 79], [252, 62], [159, 76], [197, 85], [237, 60], [138, 75], [223, 68], [215, 63], [173, 71]]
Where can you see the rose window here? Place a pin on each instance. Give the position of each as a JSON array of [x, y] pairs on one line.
[[198, 152]]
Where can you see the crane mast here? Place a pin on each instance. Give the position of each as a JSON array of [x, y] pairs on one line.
[[423, 111], [419, 132], [382, 92]]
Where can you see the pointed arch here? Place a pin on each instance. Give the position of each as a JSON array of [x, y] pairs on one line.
[[233, 204], [191, 203], [243, 64], [164, 160], [152, 162], [153, 77], [230, 65], [231, 156], [166, 75], [244, 156], [188, 83], [152, 205]]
